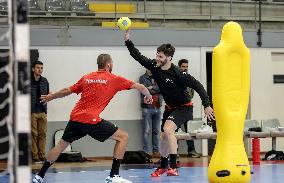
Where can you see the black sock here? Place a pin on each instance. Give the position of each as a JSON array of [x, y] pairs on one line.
[[115, 167], [173, 160], [44, 168], [164, 162]]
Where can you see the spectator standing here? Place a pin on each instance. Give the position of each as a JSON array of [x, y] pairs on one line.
[[39, 86], [151, 115], [183, 65]]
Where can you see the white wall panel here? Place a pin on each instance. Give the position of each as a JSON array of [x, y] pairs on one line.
[[267, 98], [64, 66]]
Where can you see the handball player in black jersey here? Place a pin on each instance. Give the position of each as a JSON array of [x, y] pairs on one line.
[[178, 110]]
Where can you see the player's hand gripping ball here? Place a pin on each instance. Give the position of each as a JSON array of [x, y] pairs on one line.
[[124, 23]]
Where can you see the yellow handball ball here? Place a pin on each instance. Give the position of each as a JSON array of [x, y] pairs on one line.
[[124, 23]]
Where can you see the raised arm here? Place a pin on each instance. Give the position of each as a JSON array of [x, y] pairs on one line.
[[135, 53], [62, 93]]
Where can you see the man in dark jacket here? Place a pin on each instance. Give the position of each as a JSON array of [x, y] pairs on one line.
[[39, 86], [183, 65], [151, 115]]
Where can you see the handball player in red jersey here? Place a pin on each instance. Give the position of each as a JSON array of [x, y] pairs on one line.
[[96, 89]]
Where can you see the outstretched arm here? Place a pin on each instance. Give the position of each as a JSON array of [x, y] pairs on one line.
[[142, 89], [135, 53], [62, 93]]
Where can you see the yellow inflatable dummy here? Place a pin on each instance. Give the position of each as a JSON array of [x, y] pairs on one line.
[[231, 84]]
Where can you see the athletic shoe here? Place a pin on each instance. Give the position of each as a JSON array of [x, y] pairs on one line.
[[37, 179], [158, 172], [172, 172], [116, 179], [193, 154]]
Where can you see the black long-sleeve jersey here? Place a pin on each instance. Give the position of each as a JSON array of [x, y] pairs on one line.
[[172, 82]]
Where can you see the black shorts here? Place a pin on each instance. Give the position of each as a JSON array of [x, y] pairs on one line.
[[100, 131], [178, 115]]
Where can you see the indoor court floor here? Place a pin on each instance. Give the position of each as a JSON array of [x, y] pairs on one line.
[[262, 174], [267, 172]]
